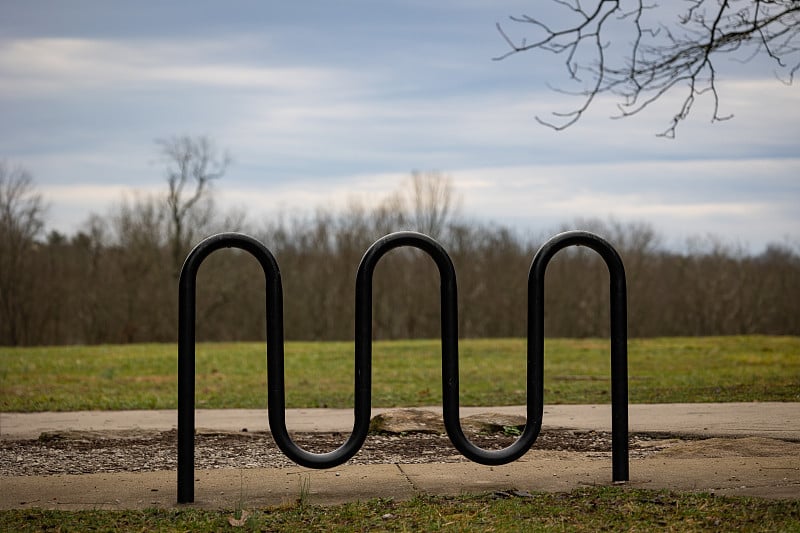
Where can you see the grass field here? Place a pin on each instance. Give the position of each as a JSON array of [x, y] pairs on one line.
[[408, 373], [405, 373], [595, 509]]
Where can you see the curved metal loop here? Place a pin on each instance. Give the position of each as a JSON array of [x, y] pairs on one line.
[[275, 366], [449, 333], [363, 351], [619, 331]]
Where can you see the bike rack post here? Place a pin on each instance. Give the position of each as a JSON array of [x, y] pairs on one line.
[[449, 335], [619, 331], [276, 401]]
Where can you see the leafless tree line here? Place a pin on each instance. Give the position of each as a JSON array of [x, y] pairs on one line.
[[114, 281]]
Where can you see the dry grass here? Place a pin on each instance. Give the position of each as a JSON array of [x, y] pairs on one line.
[[405, 373]]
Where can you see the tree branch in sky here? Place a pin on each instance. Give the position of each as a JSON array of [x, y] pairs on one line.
[[658, 58]]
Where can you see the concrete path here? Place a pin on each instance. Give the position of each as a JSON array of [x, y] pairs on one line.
[[773, 475], [766, 419]]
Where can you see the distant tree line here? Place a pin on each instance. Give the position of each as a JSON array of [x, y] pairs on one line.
[[115, 281]]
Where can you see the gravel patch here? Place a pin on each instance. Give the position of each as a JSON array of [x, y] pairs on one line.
[[97, 452]]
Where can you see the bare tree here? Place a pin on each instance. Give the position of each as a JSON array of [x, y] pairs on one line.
[[428, 199], [142, 268], [434, 201], [21, 221], [192, 164], [659, 57]]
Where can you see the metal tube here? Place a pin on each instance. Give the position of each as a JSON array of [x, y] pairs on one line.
[[449, 336], [363, 351], [619, 331], [275, 367]]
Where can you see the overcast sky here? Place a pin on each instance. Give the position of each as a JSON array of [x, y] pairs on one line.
[[319, 101]]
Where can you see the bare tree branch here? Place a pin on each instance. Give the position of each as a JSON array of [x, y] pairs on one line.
[[192, 163], [660, 58], [21, 222]]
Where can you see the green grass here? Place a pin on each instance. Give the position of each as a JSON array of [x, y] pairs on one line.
[[595, 509], [405, 373]]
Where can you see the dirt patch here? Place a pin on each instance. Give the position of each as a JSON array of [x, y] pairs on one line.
[[719, 447], [71, 452], [405, 421]]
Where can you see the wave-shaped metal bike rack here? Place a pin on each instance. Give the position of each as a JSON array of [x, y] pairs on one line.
[[363, 352]]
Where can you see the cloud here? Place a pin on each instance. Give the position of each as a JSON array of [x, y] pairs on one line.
[[752, 200], [95, 195], [309, 127], [49, 65], [679, 198], [69, 206]]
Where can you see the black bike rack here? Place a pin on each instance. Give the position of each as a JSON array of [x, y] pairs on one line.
[[363, 352]]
